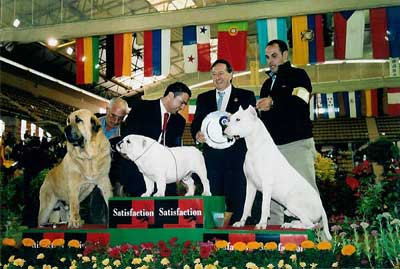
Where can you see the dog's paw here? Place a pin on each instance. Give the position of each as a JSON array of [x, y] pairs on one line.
[[145, 195], [206, 193], [261, 226], [74, 223], [239, 224], [158, 194], [189, 193], [296, 224]]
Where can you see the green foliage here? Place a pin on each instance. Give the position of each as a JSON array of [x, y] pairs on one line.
[[382, 150]]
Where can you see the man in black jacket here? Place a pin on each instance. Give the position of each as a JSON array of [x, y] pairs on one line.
[[158, 119], [224, 166], [284, 105]]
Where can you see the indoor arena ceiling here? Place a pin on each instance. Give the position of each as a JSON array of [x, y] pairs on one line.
[[65, 20]]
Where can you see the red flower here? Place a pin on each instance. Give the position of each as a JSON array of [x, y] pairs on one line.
[[161, 244], [187, 244], [205, 250], [147, 246], [165, 252], [125, 248], [115, 253], [185, 251], [172, 241], [136, 249], [88, 250], [352, 182]]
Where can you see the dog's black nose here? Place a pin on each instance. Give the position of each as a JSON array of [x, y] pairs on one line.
[[115, 142]]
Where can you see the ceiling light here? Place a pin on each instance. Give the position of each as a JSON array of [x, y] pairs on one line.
[[70, 50], [16, 23], [52, 42]]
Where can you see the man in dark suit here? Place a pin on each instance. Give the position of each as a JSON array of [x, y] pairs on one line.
[[158, 119], [224, 166]]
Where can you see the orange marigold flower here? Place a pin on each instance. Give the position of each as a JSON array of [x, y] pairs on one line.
[[290, 246], [239, 246], [324, 245], [221, 244], [10, 242], [45, 243], [73, 243], [271, 246], [348, 250], [307, 244], [28, 242], [59, 242], [254, 245]]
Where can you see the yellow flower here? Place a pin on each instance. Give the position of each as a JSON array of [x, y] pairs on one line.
[[40, 256], [239, 246], [74, 243], [293, 257], [270, 266], [251, 265], [19, 262], [28, 242], [198, 266], [137, 260], [31, 267], [11, 258], [302, 264], [216, 263], [55, 267], [85, 259], [221, 244], [93, 258], [210, 266], [45, 243], [290, 246], [62, 259], [348, 250], [108, 267], [313, 265], [148, 258], [79, 255], [335, 265], [164, 261], [73, 266], [254, 245], [186, 266], [94, 265], [143, 267], [307, 244], [271, 246], [324, 245], [128, 267], [196, 261], [117, 263], [9, 242], [46, 266], [5, 266], [105, 261], [281, 263], [288, 266], [59, 242]]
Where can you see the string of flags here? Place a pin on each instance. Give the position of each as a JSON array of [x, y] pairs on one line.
[[307, 39]]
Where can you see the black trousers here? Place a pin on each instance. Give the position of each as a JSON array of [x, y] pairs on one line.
[[226, 176]]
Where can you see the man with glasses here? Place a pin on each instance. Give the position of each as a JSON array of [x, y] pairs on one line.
[[224, 166], [111, 122], [158, 119]]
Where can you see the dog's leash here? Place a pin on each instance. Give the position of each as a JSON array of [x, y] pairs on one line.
[[144, 152]]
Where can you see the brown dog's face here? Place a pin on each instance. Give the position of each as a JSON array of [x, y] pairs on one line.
[[81, 125]]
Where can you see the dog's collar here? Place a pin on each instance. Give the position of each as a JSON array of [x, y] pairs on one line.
[[144, 152]]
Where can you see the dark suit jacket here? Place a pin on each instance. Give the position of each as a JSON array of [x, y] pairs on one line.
[[145, 119], [207, 103]]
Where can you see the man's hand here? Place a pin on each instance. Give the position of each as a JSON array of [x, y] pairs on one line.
[[200, 137], [264, 104]]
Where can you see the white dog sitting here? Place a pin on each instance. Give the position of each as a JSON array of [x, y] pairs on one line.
[[278, 181], [162, 165]]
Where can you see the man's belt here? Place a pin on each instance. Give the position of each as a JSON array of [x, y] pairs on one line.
[[302, 93]]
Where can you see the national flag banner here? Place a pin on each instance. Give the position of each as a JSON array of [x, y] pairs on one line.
[[371, 103], [267, 30], [87, 60], [119, 55], [196, 48], [324, 106], [192, 109], [308, 39], [342, 108], [352, 101], [332, 105], [385, 32], [393, 101], [185, 113], [157, 52], [232, 44], [349, 34]]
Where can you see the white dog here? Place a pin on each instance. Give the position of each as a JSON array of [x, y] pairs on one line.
[[279, 181], [162, 165]]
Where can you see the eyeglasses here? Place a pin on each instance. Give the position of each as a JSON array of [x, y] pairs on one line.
[[116, 117]]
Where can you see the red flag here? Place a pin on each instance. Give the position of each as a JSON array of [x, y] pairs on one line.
[[380, 43]]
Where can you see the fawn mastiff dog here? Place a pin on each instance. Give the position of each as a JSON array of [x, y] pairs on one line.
[[85, 165], [162, 165], [268, 171]]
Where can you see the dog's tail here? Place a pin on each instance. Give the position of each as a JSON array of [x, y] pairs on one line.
[[325, 225]]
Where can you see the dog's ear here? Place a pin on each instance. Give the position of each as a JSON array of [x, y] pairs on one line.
[[252, 111], [240, 108], [94, 121]]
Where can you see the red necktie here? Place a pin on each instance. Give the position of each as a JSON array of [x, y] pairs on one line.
[[164, 128]]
